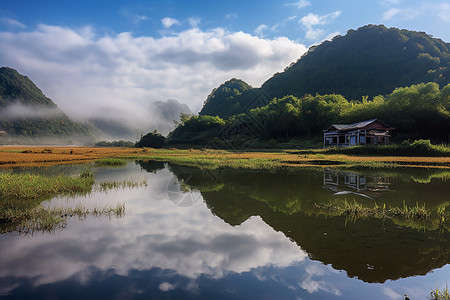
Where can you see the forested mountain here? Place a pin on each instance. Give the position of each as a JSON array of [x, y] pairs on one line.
[[26, 112], [370, 61], [226, 98], [16, 88], [420, 111]]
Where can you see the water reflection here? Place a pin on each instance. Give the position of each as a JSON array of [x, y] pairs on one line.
[[372, 250], [372, 186], [155, 234], [251, 234]]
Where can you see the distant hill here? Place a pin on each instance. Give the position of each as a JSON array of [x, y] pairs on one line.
[[370, 61], [26, 112], [169, 112], [161, 117]]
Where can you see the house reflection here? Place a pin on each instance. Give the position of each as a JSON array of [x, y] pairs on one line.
[[370, 185]]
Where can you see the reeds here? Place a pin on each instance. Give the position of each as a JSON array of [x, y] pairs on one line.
[[33, 186], [440, 294], [40, 219], [416, 216], [21, 195], [127, 183]]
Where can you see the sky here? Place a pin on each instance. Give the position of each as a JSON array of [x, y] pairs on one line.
[[116, 57]]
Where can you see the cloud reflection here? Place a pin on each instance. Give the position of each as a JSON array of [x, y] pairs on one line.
[[154, 234]]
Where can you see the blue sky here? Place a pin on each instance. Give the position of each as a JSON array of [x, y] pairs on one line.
[[280, 18], [89, 56]]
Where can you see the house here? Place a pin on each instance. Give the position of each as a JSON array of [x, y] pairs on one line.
[[370, 132], [372, 186]]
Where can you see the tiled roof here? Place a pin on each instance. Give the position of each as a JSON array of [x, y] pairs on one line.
[[355, 126]]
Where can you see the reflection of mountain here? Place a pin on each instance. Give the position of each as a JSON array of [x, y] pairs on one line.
[[372, 250]]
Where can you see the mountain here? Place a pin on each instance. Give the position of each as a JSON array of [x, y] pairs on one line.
[[225, 98], [370, 61], [25, 112], [162, 116], [169, 112]]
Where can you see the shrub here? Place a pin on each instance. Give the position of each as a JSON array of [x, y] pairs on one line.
[[152, 139]]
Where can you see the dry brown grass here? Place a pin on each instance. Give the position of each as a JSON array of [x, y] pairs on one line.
[[38, 156], [44, 156]]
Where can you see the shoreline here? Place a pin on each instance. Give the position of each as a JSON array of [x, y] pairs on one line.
[[40, 156]]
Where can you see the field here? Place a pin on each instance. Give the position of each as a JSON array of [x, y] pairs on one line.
[[11, 156]]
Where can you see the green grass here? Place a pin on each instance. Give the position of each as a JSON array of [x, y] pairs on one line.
[[40, 219], [418, 216], [216, 161], [21, 195], [32, 186], [111, 162]]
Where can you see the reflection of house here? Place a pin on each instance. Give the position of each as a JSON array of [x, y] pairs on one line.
[[370, 185], [370, 132]]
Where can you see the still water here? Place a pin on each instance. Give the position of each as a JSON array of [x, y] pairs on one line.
[[224, 234]]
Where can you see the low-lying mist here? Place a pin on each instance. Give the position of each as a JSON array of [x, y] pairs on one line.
[[114, 124], [20, 111]]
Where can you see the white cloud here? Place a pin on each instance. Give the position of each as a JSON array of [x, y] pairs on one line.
[[12, 23], [299, 4], [391, 294], [313, 285], [133, 17], [138, 18], [283, 23], [167, 286], [312, 20], [260, 30], [231, 16], [87, 74], [391, 13], [194, 22], [439, 11], [169, 22]]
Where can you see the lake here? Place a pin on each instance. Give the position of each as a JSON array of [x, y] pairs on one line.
[[236, 234]]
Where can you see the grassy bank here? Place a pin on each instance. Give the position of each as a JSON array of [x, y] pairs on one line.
[[32, 186], [213, 159]]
